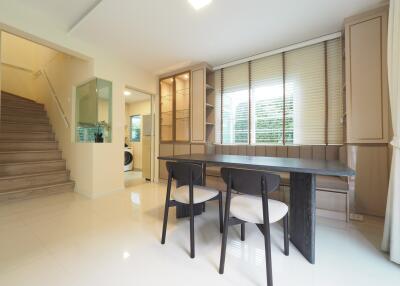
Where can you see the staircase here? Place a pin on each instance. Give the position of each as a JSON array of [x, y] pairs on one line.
[[30, 162]]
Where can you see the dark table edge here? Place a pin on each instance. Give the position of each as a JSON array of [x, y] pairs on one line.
[[348, 173]]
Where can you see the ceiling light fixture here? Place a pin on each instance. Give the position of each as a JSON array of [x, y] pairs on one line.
[[198, 4], [127, 93]]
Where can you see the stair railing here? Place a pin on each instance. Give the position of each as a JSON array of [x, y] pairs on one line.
[[55, 98], [49, 85]]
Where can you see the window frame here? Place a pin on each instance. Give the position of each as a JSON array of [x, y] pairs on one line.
[[139, 128]]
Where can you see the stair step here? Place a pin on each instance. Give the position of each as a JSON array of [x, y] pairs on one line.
[[19, 126], [25, 168], [10, 96], [11, 183], [27, 145], [29, 136], [12, 110], [25, 119], [21, 103], [5, 104], [28, 193], [29, 156]]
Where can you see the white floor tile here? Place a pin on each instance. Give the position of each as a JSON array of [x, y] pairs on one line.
[[68, 239]]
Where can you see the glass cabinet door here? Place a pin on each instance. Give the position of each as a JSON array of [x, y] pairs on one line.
[[182, 107], [166, 109]]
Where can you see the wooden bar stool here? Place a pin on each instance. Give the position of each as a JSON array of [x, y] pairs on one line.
[[189, 191], [252, 205]]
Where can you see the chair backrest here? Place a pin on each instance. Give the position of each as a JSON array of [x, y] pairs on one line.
[[250, 182], [182, 172]]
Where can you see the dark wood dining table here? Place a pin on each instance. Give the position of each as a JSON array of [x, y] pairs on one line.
[[303, 173]]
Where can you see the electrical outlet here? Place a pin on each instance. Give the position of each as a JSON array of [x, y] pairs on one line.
[[358, 217]]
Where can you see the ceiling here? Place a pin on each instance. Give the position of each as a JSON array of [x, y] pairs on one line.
[[159, 35], [136, 96]]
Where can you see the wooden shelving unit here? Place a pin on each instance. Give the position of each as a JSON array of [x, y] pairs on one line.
[[210, 103]]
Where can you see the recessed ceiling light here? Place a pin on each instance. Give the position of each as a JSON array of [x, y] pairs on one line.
[[127, 93], [198, 4]]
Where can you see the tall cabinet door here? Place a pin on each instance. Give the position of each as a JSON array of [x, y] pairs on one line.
[[366, 78], [182, 107], [198, 106], [166, 109]]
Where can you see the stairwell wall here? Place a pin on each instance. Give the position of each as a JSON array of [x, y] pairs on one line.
[[65, 72]]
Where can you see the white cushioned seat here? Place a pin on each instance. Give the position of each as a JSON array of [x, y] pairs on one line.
[[200, 194], [249, 208]]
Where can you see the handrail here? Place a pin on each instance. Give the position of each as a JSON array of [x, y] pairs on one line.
[[49, 84], [55, 98], [17, 67]]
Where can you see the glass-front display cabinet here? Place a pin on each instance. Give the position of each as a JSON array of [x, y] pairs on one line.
[[93, 112], [175, 108]]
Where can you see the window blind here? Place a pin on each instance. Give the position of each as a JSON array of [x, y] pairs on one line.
[[267, 100], [235, 105], [335, 95], [289, 98], [305, 86]]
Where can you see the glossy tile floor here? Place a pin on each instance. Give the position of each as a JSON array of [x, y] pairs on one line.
[[133, 178], [69, 240]]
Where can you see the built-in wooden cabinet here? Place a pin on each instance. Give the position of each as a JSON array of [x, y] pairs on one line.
[[187, 100], [367, 101], [175, 108], [203, 103]]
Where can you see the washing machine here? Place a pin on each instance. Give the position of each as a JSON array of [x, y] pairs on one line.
[[128, 164]]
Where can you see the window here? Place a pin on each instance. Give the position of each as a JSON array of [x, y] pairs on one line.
[[235, 105], [136, 123], [288, 98], [267, 100]]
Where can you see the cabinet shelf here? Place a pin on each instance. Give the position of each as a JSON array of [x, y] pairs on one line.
[[210, 124], [208, 105], [175, 100]]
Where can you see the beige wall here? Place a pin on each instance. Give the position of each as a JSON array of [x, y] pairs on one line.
[[64, 73], [136, 108], [20, 60]]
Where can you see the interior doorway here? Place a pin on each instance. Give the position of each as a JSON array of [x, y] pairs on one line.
[[139, 136]]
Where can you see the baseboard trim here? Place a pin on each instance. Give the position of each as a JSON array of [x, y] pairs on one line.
[[331, 214]]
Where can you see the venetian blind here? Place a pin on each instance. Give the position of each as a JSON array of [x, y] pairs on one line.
[[235, 105], [266, 103], [335, 95], [305, 86]]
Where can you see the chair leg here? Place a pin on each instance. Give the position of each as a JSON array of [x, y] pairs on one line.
[[286, 234], [268, 260], [225, 233], [242, 232], [221, 219], [192, 252], [223, 247]]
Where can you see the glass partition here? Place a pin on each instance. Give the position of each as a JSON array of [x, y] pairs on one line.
[[94, 111], [166, 109], [182, 107]]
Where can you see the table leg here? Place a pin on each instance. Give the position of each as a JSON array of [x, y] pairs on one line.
[[302, 213]]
